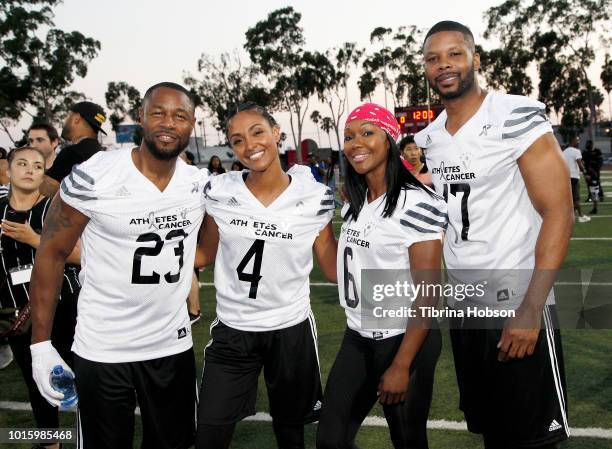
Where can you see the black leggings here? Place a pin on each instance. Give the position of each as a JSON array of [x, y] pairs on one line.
[[352, 385]]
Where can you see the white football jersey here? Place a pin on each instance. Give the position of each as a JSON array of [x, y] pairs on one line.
[[375, 242], [492, 222], [137, 257], [264, 256]]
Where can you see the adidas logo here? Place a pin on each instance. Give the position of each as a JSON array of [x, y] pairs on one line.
[[502, 295], [233, 202], [182, 332], [554, 425], [122, 191], [428, 140], [317, 406]]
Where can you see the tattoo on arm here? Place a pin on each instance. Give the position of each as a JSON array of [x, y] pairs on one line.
[[56, 219]]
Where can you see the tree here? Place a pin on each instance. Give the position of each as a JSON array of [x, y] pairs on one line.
[[276, 46], [223, 83], [39, 71], [506, 68], [122, 101], [561, 33], [315, 116], [327, 124], [606, 81], [397, 67]]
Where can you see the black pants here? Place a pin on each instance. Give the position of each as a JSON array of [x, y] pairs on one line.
[[166, 392], [515, 404], [351, 390], [46, 415], [233, 361]]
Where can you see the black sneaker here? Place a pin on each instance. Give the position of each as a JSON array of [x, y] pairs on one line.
[[593, 212]]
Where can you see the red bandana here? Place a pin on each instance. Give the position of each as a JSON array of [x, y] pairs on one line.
[[377, 115]]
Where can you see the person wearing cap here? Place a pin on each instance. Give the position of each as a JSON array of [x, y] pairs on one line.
[[81, 128], [391, 222]]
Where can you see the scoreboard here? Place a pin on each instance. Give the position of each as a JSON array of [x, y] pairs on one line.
[[412, 119]]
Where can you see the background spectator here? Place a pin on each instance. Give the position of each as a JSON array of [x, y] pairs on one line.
[[237, 166], [44, 137], [24, 212], [215, 167], [413, 154], [573, 158], [593, 161], [81, 128]]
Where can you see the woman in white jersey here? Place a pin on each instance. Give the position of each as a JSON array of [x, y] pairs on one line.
[[263, 225], [392, 222]]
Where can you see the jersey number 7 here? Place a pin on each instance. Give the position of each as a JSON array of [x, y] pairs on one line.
[[465, 216]]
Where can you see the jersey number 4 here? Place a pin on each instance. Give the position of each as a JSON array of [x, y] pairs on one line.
[[152, 251], [255, 251]]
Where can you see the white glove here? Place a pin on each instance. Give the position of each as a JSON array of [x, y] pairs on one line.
[[44, 358]]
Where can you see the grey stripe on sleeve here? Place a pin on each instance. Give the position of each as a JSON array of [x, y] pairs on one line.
[[325, 210], [78, 186], [84, 175], [524, 109], [425, 219], [67, 191], [418, 228], [431, 209], [518, 121], [522, 131]]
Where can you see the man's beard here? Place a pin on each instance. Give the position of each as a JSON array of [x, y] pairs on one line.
[[167, 155], [465, 84], [66, 133]]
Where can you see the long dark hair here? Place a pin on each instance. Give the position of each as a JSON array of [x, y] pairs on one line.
[[397, 177]]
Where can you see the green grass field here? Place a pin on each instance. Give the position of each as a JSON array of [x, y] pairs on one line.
[[587, 356]]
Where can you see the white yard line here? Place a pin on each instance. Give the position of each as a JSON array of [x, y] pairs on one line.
[[370, 421], [329, 284]]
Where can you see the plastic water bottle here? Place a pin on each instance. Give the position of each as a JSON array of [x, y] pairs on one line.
[[63, 381]]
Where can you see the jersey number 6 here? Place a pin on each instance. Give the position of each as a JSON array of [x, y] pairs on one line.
[[349, 279], [142, 251]]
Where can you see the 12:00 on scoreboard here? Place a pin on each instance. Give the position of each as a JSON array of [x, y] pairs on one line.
[[412, 119]]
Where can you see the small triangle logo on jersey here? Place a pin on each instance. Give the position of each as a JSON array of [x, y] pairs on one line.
[[182, 333], [299, 208], [428, 140], [317, 406], [502, 295], [122, 191], [554, 425], [233, 202]]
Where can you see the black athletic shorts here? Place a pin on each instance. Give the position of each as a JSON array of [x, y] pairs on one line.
[[165, 389], [233, 360], [575, 190], [520, 403]]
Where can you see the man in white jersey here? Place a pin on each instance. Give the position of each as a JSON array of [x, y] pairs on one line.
[[573, 158], [495, 160], [138, 212]]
